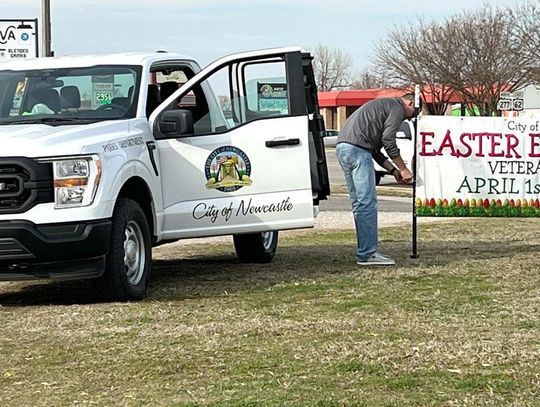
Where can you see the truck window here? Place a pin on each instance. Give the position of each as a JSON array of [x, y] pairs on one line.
[[224, 100], [167, 79], [266, 88], [94, 94]]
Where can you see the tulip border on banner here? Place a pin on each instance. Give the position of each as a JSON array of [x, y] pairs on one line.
[[478, 166]]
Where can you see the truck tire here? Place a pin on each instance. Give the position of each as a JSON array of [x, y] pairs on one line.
[[256, 247], [130, 254]]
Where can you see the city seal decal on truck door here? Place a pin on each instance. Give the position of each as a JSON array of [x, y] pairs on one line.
[[227, 169]]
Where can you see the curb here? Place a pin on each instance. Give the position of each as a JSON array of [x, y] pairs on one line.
[[381, 191]]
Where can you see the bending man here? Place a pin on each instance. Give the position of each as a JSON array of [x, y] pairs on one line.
[[369, 129]]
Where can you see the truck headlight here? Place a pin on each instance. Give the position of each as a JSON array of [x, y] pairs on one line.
[[75, 180]]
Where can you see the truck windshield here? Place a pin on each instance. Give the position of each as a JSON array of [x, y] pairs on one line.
[[69, 95]]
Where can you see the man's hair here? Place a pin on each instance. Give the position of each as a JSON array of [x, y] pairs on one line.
[[410, 96]]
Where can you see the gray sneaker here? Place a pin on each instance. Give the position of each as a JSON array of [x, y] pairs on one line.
[[376, 259]]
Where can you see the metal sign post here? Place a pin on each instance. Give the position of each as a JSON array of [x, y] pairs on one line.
[[46, 28], [414, 254]]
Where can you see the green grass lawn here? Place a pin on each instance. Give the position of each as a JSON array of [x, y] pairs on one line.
[[460, 326]]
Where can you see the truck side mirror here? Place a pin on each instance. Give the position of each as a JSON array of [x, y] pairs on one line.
[[177, 122]]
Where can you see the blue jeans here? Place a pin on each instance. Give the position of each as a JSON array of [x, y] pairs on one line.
[[357, 165]]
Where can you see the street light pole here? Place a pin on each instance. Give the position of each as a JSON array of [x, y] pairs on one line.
[[46, 28]]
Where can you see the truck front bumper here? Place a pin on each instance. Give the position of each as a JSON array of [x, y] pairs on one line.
[[63, 251]]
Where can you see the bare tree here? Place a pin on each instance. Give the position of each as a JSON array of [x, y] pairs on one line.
[[405, 58], [332, 68], [476, 54], [527, 29], [368, 80], [487, 57]]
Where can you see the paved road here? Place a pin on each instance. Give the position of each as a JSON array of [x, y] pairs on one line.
[[334, 170], [340, 202]]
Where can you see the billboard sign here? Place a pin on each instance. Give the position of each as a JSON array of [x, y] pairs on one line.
[[18, 39], [478, 166]]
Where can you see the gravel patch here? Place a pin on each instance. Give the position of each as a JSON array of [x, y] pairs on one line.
[[344, 220], [327, 220]]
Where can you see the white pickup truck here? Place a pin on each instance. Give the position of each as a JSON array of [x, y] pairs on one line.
[[104, 157]]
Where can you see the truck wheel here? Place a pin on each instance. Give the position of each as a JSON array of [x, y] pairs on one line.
[[256, 247], [130, 254]]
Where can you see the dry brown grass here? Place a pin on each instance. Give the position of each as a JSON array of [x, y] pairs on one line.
[[460, 326]]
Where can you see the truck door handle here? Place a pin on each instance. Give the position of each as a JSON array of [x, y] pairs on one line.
[[287, 142]]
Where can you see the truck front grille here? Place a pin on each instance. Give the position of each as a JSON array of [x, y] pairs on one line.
[[23, 184]]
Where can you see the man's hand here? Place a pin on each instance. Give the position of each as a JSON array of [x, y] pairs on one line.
[[398, 177], [404, 173], [406, 176]]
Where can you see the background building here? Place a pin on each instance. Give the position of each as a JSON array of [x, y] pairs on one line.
[[337, 106]]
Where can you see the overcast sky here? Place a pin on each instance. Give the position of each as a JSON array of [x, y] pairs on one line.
[[208, 29]]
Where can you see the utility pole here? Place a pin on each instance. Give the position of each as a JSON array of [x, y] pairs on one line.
[[46, 28]]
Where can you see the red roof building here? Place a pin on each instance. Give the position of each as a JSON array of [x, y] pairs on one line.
[[336, 106]]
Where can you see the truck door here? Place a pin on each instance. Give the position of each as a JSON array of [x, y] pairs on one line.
[[239, 147], [319, 172]]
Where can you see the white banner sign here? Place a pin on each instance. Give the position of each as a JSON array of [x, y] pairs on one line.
[[18, 39], [478, 166]]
